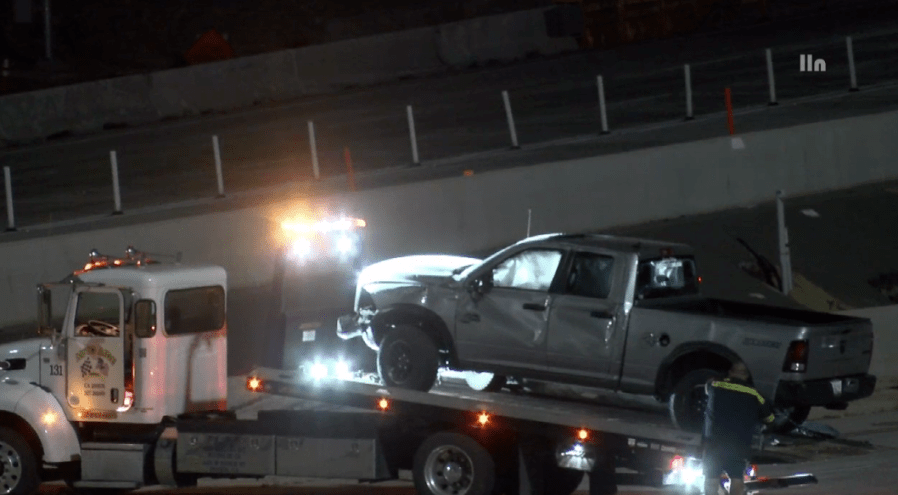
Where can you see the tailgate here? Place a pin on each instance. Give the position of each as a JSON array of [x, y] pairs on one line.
[[840, 350]]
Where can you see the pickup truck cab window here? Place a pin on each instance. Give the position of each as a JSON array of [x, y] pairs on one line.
[[533, 269], [666, 277], [590, 275]]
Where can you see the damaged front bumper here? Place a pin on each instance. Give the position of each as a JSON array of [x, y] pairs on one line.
[[351, 326]]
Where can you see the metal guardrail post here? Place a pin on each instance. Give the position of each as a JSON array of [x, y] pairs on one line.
[[770, 80], [315, 171], [412, 136], [603, 114], [10, 214], [510, 117], [116, 192], [851, 70], [218, 174], [687, 75]]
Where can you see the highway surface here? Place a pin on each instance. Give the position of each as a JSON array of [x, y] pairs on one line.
[[457, 115]]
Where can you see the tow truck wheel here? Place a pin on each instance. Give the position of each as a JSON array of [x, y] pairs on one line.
[[408, 358], [688, 400], [450, 463], [18, 465], [484, 382]]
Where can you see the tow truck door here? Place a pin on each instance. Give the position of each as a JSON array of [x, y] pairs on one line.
[[95, 352]]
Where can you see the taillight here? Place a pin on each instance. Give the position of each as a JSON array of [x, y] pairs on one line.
[[677, 463], [797, 357]]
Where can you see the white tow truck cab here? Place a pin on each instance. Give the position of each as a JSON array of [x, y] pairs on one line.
[[131, 342]]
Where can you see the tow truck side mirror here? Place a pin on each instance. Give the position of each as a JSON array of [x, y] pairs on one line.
[[44, 311], [145, 318]]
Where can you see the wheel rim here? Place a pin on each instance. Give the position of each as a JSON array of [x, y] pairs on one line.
[[10, 468], [695, 408], [478, 381], [399, 362], [448, 471]]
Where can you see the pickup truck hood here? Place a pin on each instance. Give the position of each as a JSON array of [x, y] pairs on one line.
[[426, 269]]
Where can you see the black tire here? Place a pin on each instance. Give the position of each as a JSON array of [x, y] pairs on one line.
[[482, 384], [786, 419], [688, 400], [18, 464], [408, 358], [450, 463]]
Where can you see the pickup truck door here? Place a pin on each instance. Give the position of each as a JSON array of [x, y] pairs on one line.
[[95, 352], [506, 324], [587, 324]]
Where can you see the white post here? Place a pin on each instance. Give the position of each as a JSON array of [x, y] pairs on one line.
[[603, 114], [47, 29], [510, 117], [688, 75], [314, 148], [851, 71], [529, 211], [116, 193], [770, 80], [10, 215], [411, 134], [218, 166], [785, 256]]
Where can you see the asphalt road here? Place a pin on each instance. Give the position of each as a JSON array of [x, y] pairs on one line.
[[460, 114]]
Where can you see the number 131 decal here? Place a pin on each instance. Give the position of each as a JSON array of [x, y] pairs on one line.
[[55, 370]]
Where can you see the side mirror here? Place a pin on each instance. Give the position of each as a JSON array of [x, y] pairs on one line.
[[144, 318], [44, 311], [482, 284]]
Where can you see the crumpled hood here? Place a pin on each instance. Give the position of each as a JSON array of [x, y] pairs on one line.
[[429, 268]]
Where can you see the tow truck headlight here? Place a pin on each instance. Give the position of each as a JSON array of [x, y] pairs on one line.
[[345, 244], [301, 249], [341, 370], [318, 371]]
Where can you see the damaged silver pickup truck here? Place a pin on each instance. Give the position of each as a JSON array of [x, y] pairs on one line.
[[618, 313]]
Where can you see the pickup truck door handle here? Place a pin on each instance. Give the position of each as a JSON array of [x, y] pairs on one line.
[[535, 306], [601, 314]]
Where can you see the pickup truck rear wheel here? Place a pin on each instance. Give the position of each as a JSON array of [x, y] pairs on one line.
[[449, 463], [408, 358], [18, 464], [688, 400], [786, 419]]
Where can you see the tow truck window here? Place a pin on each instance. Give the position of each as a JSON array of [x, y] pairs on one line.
[[98, 314], [666, 277], [590, 275], [197, 310], [532, 270]]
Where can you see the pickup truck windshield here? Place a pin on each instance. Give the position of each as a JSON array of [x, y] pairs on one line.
[[666, 277]]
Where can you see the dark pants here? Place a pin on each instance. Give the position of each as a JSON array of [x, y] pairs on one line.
[[719, 458]]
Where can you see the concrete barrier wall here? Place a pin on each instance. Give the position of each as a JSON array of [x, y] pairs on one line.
[[467, 214], [885, 344], [310, 70]]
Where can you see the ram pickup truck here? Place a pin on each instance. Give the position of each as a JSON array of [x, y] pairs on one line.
[[600, 311]]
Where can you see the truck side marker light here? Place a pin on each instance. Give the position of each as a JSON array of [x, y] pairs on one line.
[[254, 384], [583, 434], [483, 419], [49, 418], [383, 404]]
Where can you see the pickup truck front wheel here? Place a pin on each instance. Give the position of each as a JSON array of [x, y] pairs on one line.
[[408, 358], [688, 401]]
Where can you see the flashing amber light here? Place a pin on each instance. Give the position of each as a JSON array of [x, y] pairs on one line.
[[383, 404], [254, 384], [49, 418], [677, 463], [483, 419], [583, 434], [360, 223], [699, 280]]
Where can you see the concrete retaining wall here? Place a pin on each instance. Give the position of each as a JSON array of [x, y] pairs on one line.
[[885, 344], [466, 214], [317, 69]]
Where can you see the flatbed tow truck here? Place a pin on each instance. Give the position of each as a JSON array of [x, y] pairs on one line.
[[127, 387]]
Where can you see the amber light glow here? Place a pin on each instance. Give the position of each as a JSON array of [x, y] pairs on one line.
[[383, 404], [583, 434], [49, 418], [483, 419], [254, 384]]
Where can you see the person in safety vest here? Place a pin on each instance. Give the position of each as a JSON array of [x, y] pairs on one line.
[[731, 416]]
